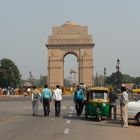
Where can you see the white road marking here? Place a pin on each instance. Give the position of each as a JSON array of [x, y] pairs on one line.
[[68, 121], [72, 108], [64, 107], [52, 119], [71, 112], [70, 115], [66, 131]]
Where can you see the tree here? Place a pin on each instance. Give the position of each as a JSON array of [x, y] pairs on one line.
[[9, 73], [127, 79], [113, 79], [123, 78], [42, 81], [137, 81]]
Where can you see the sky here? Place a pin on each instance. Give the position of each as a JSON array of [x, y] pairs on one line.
[[114, 25]]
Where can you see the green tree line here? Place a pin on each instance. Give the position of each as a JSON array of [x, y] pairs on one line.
[[10, 77], [113, 79]]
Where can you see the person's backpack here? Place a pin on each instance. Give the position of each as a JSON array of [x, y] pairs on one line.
[[35, 94], [79, 95]]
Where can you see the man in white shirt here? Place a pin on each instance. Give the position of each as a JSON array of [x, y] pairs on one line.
[[124, 105], [57, 97]]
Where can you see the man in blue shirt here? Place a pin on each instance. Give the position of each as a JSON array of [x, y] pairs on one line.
[[79, 100], [47, 97]]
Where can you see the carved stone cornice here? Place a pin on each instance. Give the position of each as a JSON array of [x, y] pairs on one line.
[[49, 46]]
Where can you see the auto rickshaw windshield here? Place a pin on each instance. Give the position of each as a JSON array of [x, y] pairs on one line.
[[98, 95]]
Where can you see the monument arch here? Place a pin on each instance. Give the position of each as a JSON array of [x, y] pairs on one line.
[[70, 38]]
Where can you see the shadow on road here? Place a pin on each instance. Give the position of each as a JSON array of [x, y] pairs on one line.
[[29, 115], [93, 120]]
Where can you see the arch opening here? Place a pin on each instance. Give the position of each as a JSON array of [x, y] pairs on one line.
[[70, 70]]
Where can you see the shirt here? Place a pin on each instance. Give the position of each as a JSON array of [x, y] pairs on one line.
[[46, 94], [57, 94], [124, 98]]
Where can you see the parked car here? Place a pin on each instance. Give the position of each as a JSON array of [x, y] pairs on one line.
[[134, 109]]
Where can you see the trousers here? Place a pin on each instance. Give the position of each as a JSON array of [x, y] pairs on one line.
[[46, 106], [124, 114], [57, 108]]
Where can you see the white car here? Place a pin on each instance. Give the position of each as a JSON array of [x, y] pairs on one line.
[[134, 109]]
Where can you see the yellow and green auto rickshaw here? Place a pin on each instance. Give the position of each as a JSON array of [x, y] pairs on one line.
[[97, 102]]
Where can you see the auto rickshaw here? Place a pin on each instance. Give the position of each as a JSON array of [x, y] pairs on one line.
[[97, 102], [136, 91]]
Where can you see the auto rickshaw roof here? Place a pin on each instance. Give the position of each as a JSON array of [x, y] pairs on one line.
[[102, 89], [136, 90]]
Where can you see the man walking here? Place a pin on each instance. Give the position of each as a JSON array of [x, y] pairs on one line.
[[57, 97], [35, 99], [79, 100], [47, 97]]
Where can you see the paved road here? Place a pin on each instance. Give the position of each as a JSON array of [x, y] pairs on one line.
[[17, 123]]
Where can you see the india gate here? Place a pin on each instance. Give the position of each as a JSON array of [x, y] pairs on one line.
[[70, 38]]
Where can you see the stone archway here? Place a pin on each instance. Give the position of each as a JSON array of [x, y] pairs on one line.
[[70, 38]]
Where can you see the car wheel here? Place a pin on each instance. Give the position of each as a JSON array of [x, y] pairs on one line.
[[138, 119]]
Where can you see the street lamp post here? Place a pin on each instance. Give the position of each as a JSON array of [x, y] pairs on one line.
[[104, 75], [31, 78], [97, 79], [118, 73]]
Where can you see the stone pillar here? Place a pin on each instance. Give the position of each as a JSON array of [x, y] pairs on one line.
[[55, 71]]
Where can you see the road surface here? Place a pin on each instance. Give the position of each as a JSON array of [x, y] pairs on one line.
[[17, 123]]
